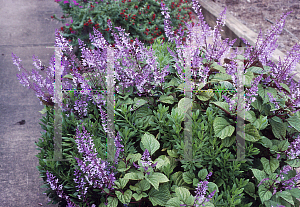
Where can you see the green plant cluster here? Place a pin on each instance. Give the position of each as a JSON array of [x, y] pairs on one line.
[[156, 123], [141, 18]]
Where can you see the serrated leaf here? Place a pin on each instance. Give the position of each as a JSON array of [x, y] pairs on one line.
[[202, 174], [174, 202], [223, 105], [286, 196], [155, 178], [218, 67], [183, 105], [134, 157], [172, 153], [251, 133], [283, 85], [188, 177], [112, 202], [278, 128], [160, 196], [205, 95], [293, 163], [124, 198], [195, 182], [264, 193], [250, 189], [261, 123], [269, 166], [258, 174], [138, 102], [294, 121], [134, 175], [137, 197], [211, 187], [266, 142], [248, 78], [221, 77], [283, 145], [150, 143], [263, 92], [222, 128], [182, 193], [208, 204], [250, 116], [167, 99], [162, 161]]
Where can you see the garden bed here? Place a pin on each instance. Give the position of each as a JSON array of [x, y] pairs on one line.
[[235, 25]]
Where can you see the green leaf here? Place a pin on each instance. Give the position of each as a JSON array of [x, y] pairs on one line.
[[138, 102], [248, 78], [251, 133], [294, 121], [183, 105], [182, 193], [263, 92], [172, 153], [293, 163], [174, 202], [223, 105], [188, 177], [137, 197], [295, 192], [266, 142], [258, 174], [283, 85], [222, 128], [286, 196], [205, 95], [134, 175], [250, 189], [250, 116], [123, 182], [219, 68], [160, 196], [261, 123], [221, 77], [112, 202], [134, 157], [195, 182], [208, 204], [122, 166], [264, 193], [278, 128], [155, 178], [258, 70], [202, 174], [283, 145], [162, 161], [125, 199], [167, 99], [143, 185], [211, 187], [69, 76], [269, 166], [150, 143]]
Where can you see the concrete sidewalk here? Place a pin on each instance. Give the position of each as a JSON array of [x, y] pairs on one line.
[[26, 30]]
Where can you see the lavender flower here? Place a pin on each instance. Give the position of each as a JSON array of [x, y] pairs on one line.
[[58, 188], [93, 169], [119, 148], [200, 193], [293, 150]]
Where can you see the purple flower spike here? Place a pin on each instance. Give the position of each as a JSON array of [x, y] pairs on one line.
[[66, 2]]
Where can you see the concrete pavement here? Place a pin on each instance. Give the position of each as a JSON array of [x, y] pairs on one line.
[[25, 30]]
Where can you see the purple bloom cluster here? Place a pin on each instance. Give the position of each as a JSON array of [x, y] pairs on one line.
[[293, 150], [119, 147], [93, 170], [201, 192], [58, 188]]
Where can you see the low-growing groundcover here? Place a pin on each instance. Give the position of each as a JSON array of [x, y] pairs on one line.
[[149, 167]]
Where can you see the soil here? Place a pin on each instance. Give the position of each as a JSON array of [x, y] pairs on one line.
[[256, 13]]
